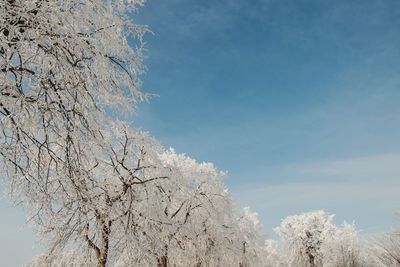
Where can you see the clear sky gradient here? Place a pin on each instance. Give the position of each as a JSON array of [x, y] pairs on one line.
[[298, 100]]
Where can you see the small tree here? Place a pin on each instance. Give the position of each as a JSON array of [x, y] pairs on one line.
[[341, 248], [311, 240], [199, 210], [251, 240], [303, 235]]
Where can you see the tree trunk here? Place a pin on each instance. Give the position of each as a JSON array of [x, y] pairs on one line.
[[163, 262], [243, 263], [105, 234], [102, 261], [312, 260]]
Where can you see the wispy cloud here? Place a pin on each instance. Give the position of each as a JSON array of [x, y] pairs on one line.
[[361, 189], [383, 168]]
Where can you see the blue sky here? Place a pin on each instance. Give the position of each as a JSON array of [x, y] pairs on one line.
[[298, 100]]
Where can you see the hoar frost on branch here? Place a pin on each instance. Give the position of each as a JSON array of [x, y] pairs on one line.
[[385, 250], [63, 63]]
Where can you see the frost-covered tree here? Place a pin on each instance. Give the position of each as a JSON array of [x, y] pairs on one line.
[[64, 67], [341, 248], [303, 235], [385, 250], [250, 239], [255, 249], [198, 206], [188, 207], [311, 240]]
